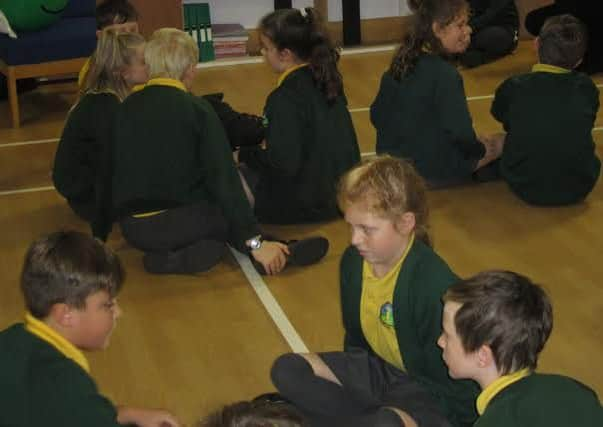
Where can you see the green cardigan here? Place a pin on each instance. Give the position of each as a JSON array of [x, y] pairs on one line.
[[418, 322], [549, 155], [424, 118], [41, 387], [171, 150], [81, 171], [310, 144], [543, 401]]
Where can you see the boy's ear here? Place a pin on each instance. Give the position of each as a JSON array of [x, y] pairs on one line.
[[98, 33], [407, 222], [536, 44], [485, 357], [62, 314]]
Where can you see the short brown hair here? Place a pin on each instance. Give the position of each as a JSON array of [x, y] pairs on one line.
[[391, 187], [505, 311], [562, 41], [112, 12], [67, 267], [254, 414]]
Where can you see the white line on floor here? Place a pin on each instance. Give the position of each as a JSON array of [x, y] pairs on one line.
[[352, 110], [39, 141], [26, 190], [271, 305]]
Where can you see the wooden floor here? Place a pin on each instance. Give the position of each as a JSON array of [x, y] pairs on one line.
[[192, 343]]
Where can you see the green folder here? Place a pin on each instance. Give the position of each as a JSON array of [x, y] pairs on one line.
[[198, 24]]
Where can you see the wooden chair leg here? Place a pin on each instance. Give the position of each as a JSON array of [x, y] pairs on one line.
[[13, 98]]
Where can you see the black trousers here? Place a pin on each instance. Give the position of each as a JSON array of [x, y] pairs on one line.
[[369, 386], [175, 229], [589, 12], [494, 41]]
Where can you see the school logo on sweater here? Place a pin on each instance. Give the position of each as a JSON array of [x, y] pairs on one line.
[[386, 314]]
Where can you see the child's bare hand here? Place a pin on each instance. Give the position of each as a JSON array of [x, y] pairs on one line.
[[272, 256]]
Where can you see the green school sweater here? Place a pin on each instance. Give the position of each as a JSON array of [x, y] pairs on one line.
[[417, 310], [549, 154], [310, 144], [171, 150], [543, 401], [81, 171], [424, 118], [42, 387]]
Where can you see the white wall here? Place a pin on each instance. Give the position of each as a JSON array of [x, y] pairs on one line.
[[246, 12], [249, 12], [371, 9]]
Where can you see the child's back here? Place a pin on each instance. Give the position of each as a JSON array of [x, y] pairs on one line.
[[544, 400], [313, 144], [549, 155], [424, 117]]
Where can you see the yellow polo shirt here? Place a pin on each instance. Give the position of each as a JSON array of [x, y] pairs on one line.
[[376, 311]]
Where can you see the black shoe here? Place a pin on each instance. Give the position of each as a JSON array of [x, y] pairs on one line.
[[196, 258], [270, 398], [301, 252]]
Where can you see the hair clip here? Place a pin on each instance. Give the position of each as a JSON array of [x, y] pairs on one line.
[[303, 12]]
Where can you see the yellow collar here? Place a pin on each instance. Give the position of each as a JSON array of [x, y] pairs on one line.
[[138, 88], [495, 387], [547, 68], [289, 71], [52, 337], [164, 81]]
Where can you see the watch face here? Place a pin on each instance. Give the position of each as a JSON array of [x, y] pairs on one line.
[[255, 243]]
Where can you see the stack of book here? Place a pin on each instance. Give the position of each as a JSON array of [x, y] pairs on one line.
[[230, 40]]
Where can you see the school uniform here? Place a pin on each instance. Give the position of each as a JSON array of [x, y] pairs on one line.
[[171, 153], [495, 26], [81, 171], [549, 154], [310, 143], [424, 118], [538, 400], [46, 382], [390, 357]]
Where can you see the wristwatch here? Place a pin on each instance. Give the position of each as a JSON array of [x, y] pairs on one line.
[[255, 242]]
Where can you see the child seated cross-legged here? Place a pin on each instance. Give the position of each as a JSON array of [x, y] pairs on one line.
[[242, 129], [495, 324], [176, 189], [69, 282], [421, 112], [549, 154], [390, 372], [81, 171], [310, 137]]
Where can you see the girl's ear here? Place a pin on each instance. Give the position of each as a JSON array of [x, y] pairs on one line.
[[285, 55], [436, 29]]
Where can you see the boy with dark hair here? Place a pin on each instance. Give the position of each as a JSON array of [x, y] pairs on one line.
[[549, 153], [69, 283], [495, 325], [118, 15]]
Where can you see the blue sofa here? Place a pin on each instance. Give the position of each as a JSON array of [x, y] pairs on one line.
[[59, 49]]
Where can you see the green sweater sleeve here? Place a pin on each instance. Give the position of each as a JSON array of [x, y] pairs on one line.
[[73, 399], [284, 137], [223, 181], [502, 100], [453, 112]]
